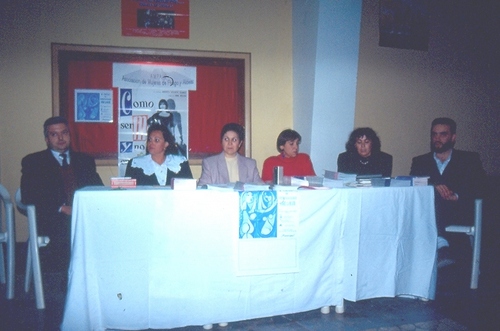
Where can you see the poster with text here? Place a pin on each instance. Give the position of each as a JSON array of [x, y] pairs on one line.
[[93, 106], [155, 18], [139, 108], [151, 94]]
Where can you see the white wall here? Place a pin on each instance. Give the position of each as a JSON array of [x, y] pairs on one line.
[[325, 48]]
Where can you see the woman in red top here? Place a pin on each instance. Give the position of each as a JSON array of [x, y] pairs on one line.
[[293, 162]]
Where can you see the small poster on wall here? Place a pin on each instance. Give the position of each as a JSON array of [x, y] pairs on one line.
[[93, 106], [155, 18]]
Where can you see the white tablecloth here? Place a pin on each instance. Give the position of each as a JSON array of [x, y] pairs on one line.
[[157, 258]]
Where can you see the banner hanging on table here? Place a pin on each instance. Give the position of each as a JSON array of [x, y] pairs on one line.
[[268, 225], [150, 94]]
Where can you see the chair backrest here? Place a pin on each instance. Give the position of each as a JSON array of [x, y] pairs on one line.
[[7, 202], [4, 194], [33, 260], [21, 207], [9, 238]]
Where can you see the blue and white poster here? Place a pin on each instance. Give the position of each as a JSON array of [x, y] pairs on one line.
[[268, 222], [93, 105], [258, 214]]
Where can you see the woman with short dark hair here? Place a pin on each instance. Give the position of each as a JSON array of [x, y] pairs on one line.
[[229, 166], [293, 162]]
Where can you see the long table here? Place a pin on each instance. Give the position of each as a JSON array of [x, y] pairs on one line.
[[157, 258]]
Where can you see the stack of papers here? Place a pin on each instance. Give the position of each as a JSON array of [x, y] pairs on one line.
[[183, 184], [420, 181], [296, 181], [340, 175], [255, 187], [238, 186], [401, 181], [414, 180], [333, 182], [123, 182], [315, 180]]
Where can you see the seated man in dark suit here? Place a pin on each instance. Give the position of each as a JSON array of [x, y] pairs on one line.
[[458, 178], [49, 180]]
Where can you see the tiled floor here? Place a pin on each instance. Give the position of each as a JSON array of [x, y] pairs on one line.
[[456, 306]]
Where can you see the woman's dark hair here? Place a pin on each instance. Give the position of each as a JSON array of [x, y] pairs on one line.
[[167, 135], [162, 102], [287, 135], [240, 130], [350, 145]]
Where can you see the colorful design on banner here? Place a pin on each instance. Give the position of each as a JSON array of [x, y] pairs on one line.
[[258, 214], [155, 18], [93, 105], [139, 108], [151, 94]]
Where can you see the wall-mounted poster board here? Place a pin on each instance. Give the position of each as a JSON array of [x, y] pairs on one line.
[[83, 92]]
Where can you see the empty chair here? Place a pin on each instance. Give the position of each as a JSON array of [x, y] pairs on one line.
[[7, 237], [475, 233], [33, 268]]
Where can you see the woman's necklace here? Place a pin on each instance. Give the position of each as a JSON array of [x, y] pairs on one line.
[[364, 162]]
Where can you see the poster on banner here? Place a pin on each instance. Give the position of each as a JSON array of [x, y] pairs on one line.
[[93, 106], [155, 18], [268, 225], [151, 94]]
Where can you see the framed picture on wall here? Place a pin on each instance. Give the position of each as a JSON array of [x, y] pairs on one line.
[[155, 18], [404, 24]]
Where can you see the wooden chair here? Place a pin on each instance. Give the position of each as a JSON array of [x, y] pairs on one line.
[[474, 232], [8, 237], [33, 268]]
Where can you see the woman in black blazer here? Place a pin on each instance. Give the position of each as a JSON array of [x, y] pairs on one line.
[[363, 155], [162, 161]]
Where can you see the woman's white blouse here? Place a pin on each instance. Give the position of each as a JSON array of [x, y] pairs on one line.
[[149, 167]]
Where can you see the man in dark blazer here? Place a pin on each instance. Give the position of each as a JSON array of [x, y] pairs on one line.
[[458, 177], [49, 180]]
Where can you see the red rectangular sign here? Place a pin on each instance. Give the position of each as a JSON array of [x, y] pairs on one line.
[[155, 18]]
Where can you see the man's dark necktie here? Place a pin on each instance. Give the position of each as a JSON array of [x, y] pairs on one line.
[[64, 159]]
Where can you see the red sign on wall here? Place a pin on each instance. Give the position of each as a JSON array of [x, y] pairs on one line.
[[155, 18]]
